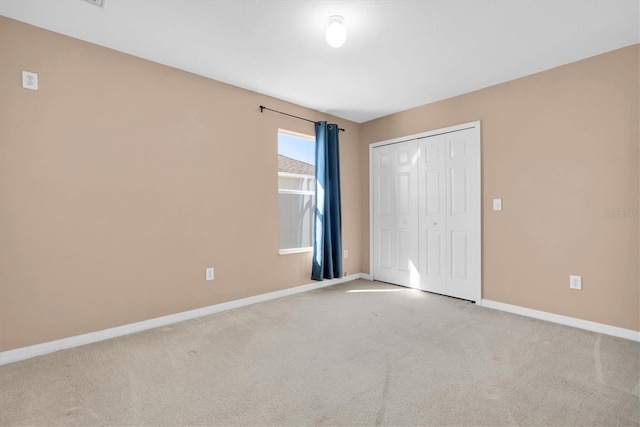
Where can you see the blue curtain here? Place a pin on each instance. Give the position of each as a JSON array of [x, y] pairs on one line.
[[327, 231]]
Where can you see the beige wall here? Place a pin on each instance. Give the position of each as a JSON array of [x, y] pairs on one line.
[[121, 180], [561, 149]]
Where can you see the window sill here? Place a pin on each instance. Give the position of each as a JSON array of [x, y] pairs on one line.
[[294, 251]]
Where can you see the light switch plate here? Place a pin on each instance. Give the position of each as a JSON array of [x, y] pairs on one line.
[[497, 204]]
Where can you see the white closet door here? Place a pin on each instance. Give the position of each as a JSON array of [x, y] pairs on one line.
[[449, 212], [395, 217], [433, 212], [426, 213], [463, 214]]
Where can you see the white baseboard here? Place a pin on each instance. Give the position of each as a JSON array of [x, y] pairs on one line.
[[601, 328], [91, 337]]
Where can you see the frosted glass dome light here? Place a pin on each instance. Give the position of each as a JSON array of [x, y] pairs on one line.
[[336, 32]]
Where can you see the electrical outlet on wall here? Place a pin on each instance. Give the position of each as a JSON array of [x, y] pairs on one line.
[[346, 253], [29, 80], [575, 282], [209, 273]]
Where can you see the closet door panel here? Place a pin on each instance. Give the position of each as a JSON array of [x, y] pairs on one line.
[[463, 212], [395, 214], [432, 199]]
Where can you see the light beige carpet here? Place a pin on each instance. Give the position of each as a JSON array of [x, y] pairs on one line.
[[343, 355]]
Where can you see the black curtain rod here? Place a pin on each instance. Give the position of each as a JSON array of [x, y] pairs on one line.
[[262, 108]]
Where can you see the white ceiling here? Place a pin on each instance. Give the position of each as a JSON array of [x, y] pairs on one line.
[[399, 54]]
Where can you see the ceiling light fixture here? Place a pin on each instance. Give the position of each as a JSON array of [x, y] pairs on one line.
[[336, 32]]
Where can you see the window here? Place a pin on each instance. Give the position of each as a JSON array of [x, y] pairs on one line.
[[296, 191]]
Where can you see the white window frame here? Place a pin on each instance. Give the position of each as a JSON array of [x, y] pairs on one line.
[[296, 192]]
